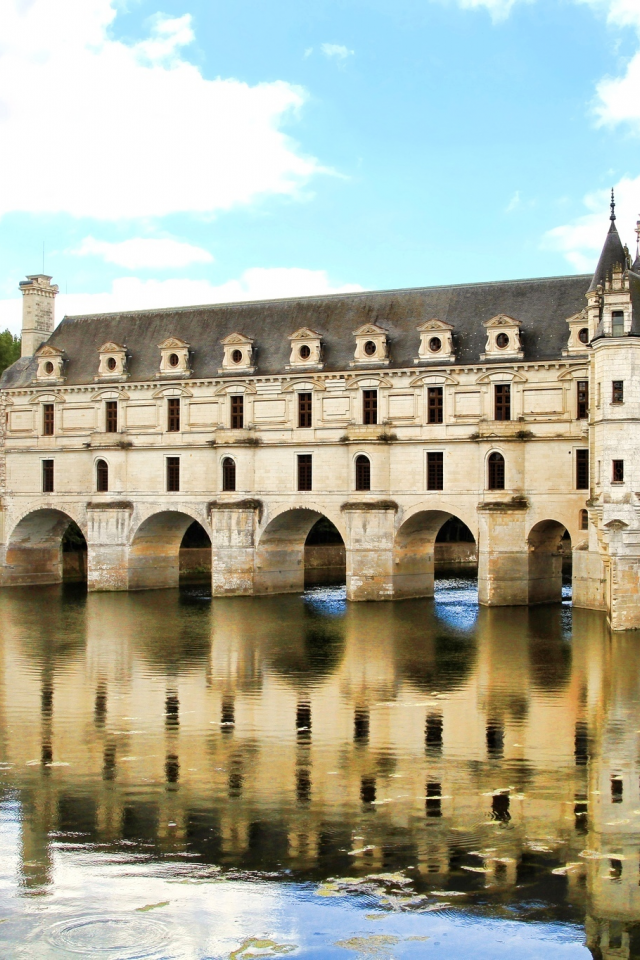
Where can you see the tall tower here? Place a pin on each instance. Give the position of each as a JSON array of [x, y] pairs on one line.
[[614, 319], [38, 311]]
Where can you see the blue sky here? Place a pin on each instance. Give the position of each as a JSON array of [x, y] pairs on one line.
[[185, 151]]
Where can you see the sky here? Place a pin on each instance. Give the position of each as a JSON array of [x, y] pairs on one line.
[[174, 152]]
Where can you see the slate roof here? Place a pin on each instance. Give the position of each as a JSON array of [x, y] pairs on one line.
[[612, 253], [542, 306]]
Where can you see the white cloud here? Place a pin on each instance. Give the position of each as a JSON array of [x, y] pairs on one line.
[[618, 98], [133, 293], [514, 203], [140, 252], [96, 127], [336, 51], [581, 240]]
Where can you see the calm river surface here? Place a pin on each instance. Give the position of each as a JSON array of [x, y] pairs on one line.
[[187, 778]]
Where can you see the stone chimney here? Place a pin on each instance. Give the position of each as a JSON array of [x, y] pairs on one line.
[[38, 311]]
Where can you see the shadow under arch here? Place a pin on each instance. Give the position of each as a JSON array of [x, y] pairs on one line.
[[280, 551], [545, 543], [414, 552], [154, 552], [35, 548]]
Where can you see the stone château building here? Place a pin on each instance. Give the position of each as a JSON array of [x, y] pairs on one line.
[[512, 406]]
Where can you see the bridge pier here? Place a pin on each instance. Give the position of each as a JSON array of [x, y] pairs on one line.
[[233, 543], [108, 526], [503, 556], [370, 549]]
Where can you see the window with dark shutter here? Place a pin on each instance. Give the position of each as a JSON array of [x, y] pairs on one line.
[[370, 406], [434, 404], [173, 414], [304, 409], [617, 472], [237, 412], [111, 412], [304, 471], [435, 474], [496, 471], [47, 419], [47, 476], [503, 401], [583, 399], [363, 473], [584, 520], [617, 391], [173, 474], [228, 474], [102, 476], [582, 469]]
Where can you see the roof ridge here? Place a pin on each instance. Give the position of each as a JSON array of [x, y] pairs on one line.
[[324, 296]]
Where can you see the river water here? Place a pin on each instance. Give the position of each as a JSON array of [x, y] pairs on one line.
[[258, 777]]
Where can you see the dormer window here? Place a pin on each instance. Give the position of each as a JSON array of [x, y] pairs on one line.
[[617, 323], [436, 343], [50, 364], [238, 354], [579, 335], [503, 338], [583, 335], [371, 346], [306, 350], [113, 361], [174, 358]]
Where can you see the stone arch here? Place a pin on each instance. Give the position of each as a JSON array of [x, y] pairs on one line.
[[154, 549], [279, 565], [414, 548], [34, 552], [545, 560]]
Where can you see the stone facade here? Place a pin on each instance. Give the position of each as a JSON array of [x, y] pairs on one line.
[[504, 411]]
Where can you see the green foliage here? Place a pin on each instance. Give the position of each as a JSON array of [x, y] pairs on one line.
[[9, 349]]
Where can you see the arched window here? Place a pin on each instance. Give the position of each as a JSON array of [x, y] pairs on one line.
[[496, 471], [102, 476], [584, 520], [363, 473], [228, 474]]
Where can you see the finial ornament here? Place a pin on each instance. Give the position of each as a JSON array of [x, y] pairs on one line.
[[613, 206], [638, 236]]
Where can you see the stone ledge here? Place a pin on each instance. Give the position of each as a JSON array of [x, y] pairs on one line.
[[370, 505], [110, 505], [249, 503], [515, 503]]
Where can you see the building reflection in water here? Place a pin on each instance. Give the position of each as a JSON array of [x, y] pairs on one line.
[[496, 753]]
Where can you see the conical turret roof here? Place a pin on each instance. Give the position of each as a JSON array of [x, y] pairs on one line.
[[612, 252]]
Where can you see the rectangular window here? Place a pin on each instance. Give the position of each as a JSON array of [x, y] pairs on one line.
[[304, 409], [237, 412], [434, 405], [47, 419], [617, 323], [617, 391], [47, 476], [617, 471], [173, 414], [369, 406], [111, 416], [435, 477], [304, 471], [173, 474], [583, 399], [582, 469], [503, 401]]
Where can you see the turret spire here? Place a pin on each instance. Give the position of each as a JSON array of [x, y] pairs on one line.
[[612, 251], [636, 264], [613, 206]]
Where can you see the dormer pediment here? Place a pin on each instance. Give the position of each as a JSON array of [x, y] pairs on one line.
[[111, 347], [436, 342], [47, 351], [305, 333], [369, 330], [172, 343], [503, 338], [238, 354]]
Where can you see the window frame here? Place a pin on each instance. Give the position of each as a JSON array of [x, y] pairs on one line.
[[370, 406], [236, 411], [617, 471], [617, 392], [362, 464], [496, 471], [111, 416], [305, 409], [583, 519], [582, 399], [435, 404], [48, 419], [102, 484], [502, 401], [229, 486], [173, 414], [435, 470], [172, 474], [304, 472], [582, 469], [617, 321], [48, 475]]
